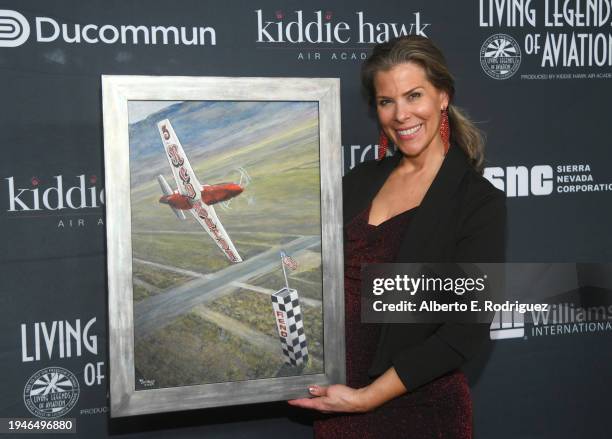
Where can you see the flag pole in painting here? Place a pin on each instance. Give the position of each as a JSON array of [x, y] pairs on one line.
[[287, 261], [289, 321]]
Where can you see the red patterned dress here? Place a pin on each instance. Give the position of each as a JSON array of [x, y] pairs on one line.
[[440, 409]]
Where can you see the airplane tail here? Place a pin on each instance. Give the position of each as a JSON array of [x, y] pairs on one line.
[[167, 190]]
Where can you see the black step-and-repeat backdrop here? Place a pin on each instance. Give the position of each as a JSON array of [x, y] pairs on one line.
[[535, 75]]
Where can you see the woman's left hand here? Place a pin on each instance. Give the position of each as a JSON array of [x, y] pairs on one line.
[[333, 399]]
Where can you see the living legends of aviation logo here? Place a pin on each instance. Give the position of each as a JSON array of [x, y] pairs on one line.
[[15, 30], [51, 392], [558, 40], [317, 35], [500, 56]]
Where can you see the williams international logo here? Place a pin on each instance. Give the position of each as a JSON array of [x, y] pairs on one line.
[[323, 34], [507, 324], [500, 56], [14, 28], [51, 392], [558, 319], [15, 31]]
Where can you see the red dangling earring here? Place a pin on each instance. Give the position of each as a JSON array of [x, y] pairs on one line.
[[445, 130], [383, 145]]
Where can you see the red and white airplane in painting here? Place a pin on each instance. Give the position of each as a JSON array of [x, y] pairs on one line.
[[194, 197]]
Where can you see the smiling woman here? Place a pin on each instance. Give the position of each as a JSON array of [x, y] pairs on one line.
[[427, 203], [409, 108]]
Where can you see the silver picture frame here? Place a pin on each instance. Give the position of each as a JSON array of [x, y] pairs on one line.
[[118, 92]]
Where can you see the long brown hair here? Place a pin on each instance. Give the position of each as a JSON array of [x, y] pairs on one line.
[[423, 52]]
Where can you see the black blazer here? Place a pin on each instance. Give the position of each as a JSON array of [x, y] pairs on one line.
[[462, 218]]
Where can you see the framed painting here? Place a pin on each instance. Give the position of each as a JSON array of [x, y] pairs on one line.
[[224, 240]]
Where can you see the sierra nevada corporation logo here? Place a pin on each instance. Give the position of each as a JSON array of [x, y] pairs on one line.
[[15, 30], [542, 180]]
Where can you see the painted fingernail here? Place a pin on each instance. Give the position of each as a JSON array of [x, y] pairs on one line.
[[312, 389]]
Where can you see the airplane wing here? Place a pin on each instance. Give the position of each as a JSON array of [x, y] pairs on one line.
[[207, 218], [186, 180], [188, 185]]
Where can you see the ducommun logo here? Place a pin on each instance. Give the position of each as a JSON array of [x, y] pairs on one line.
[[15, 31], [14, 28]]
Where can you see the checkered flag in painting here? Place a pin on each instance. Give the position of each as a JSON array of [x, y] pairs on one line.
[[290, 325]]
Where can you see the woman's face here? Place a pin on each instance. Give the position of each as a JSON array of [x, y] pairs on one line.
[[408, 108]]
